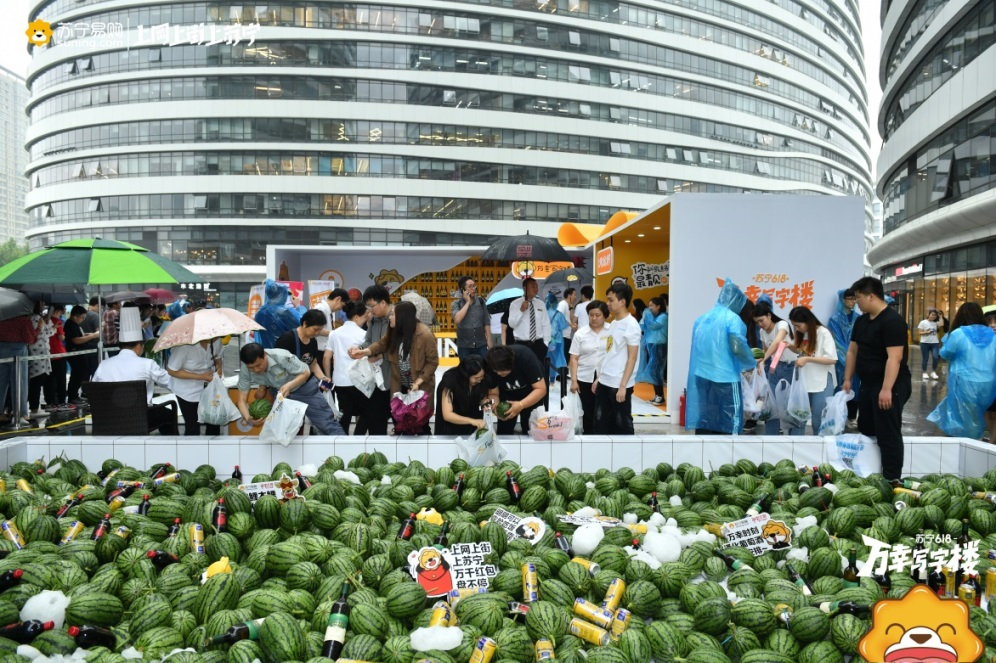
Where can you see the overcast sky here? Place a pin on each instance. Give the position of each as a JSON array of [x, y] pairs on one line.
[[14, 54]]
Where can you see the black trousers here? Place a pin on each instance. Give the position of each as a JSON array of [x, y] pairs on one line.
[[35, 387], [611, 416], [161, 417], [886, 426], [588, 404], [378, 412], [190, 424], [538, 347], [353, 403], [58, 381], [81, 371]]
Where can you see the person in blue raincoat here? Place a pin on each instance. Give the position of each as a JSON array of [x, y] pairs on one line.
[[555, 351], [840, 325], [718, 356], [653, 348], [274, 314], [970, 350]]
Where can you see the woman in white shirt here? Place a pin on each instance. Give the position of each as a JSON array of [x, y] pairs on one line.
[[774, 331], [587, 352], [816, 362], [929, 343], [352, 401], [190, 368]]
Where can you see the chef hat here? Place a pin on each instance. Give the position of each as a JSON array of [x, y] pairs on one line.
[[130, 319]]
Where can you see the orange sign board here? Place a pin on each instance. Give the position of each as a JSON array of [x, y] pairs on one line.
[[603, 261], [537, 269]]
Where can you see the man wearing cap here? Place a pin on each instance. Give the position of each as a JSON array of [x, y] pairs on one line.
[[129, 364]]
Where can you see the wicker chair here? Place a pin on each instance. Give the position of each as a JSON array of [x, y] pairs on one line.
[[120, 408]]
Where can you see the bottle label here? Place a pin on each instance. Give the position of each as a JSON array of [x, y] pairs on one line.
[[851, 583], [253, 627], [336, 632]]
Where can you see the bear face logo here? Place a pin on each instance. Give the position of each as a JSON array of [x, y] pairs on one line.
[[39, 32], [777, 534], [528, 530]]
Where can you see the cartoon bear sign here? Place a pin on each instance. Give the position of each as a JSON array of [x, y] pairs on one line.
[[431, 568]]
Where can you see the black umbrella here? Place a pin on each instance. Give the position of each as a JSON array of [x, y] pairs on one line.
[[14, 304], [572, 276], [526, 247]]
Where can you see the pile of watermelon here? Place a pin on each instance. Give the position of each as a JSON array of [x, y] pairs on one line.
[[290, 560]]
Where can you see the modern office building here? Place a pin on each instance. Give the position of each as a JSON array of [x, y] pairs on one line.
[[936, 182], [13, 156], [433, 123]]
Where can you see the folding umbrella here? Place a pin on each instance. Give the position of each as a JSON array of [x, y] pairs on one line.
[[127, 296], [161, 295], [14, 304], [526, 247], [498, 302], [423, 308], [572, 276]]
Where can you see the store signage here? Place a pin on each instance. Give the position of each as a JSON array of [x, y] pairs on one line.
[[604, 260], [537, 269], [915, 268]]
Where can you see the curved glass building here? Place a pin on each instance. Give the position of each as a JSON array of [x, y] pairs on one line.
[[936, 181], [205, 130]]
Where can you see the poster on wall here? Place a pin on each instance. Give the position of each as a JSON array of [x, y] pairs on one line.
[[256, 294], [650, 275], [318, 291], [296, 291], [743, 238]]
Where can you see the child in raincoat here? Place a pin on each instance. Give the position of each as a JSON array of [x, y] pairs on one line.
[[970, 350], [558, 323], [718, 356], [840, 325], [653, 348]]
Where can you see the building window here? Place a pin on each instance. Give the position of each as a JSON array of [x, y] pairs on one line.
[[762, 167], [95, 205], [761, 81], [574, 38]]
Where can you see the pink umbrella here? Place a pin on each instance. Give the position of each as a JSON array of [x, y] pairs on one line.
[[161, 295], [203, 325]]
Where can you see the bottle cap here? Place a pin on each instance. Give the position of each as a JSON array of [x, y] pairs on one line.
[[48, 626], [221, 500], [107, 516], [18, 573], [73, 631], [145, 497]]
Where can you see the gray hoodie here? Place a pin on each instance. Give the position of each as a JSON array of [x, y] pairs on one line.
[[376, 330]]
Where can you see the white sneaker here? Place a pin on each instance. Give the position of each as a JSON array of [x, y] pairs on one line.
[[933, 375], [926, 376]]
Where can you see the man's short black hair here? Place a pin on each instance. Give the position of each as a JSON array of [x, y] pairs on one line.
[[77, 310], [341, 293], [621, 291], [527, 280], [95, 300], [131, 345], [569, 292], [462, 282], [250, 353], [378, 293], [313, 317], [587, 292], [869, 285], [501, 358], [848, 293]]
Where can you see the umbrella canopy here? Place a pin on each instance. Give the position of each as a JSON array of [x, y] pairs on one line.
[[498, 302], [94, 262], [127, 296], [56, 294], [14, 304], [161, 295], [572, 276], [205, 324], [423, 308], [526, 247]]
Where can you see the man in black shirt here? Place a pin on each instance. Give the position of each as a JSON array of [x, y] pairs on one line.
[[515, 375], [878, 353], [81, 367]]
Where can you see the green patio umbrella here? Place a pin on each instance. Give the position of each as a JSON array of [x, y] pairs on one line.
[[94, 262]]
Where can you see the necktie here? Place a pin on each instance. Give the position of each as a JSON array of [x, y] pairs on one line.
[[532, 322]]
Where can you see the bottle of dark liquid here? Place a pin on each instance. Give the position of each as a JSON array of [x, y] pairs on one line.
[[302, 483], [845, 608], [817, 479], [68, 505], [236, 474], [174, 529], [851, 570], [102, 528], [636, 544], [962, 542], [732, 563], [827, 479], [653, 503], [563, 544], [244, 631], [124, 492], [219, 516], [161, 471], [10, 578], [935, 580], [407, 527], [804, 486], [918, 575], [92, 636], [458, 486], [161, 559], [513, 487], [442, 541], [884, 581], [25, 632], [799, 581], [758, 506], [335, 632], [143, 508]]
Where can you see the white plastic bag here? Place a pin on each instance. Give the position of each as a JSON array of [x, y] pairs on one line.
[[834, 418], [362, 374], [483, 450], [216, 407], [571, 404], [781, 400], [752, 406], [764, 400], [284, 421], [333, 402], [856, 452], [799, 410], [557, 426]]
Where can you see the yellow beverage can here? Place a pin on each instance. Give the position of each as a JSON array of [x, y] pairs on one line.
[[596, 615], [25, 486], [544, 650], [967, 594], [71, 532], [454, 595], [588, 564], [614, 594], [167, 478], [588, 632], [991, 584], [530, 583], [441, 614], [637, 528], [107, 479], [620, 621], [13, 534], [3, 485], [484, 650], [123, 532], [196, 534], [116, 503], [950, 589]]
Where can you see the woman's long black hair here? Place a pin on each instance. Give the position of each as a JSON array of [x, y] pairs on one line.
[[457, 380], [402, 334]]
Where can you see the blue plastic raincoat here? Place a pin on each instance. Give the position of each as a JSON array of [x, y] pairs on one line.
[[274, 314], [718, 356], [555, 350], [840, 325], [653, 348], [971, 355]]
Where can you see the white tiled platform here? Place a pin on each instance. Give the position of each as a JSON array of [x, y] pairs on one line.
[[924, 455]]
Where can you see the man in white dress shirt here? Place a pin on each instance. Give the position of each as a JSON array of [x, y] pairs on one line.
[[129, 364], [529, 321], [331, 307]]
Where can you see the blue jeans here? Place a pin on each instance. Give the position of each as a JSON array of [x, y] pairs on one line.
[[784, 371], [928, 350], [481, 352], [8, 378], [817, 403]]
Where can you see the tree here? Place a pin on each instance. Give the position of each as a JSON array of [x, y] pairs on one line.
[[11, 250]]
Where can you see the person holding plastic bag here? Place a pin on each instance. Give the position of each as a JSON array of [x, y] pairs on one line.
[[462, 396], [653, 348], [778, 362], [410, 348], [281, 372], [587, 352], [817, 359], [840, 325], [274, 314], [354, 403], [718, 355], [970, 350], [191, 368]]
